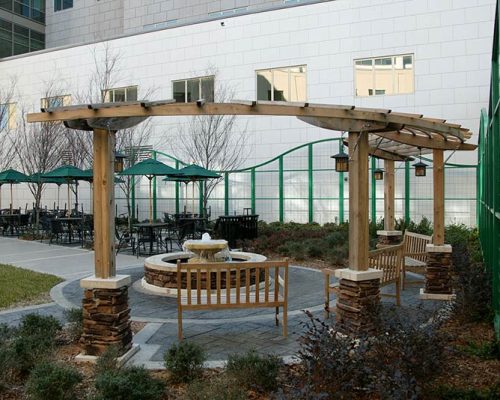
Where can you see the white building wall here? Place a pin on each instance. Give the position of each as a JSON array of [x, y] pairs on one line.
[[451, 40]]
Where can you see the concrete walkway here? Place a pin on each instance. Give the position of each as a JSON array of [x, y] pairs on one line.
[[220, 332]]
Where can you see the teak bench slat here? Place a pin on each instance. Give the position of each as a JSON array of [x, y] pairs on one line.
[[414, 251], [235, 296], [387, 259]]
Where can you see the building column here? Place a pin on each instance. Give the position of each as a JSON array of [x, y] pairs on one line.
[[359, 286], [389, 236], [106, 314], [438, 272]]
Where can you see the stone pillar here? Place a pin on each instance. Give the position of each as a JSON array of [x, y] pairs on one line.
[[106, 315], [389, 238], [438, 273], [357, 301]]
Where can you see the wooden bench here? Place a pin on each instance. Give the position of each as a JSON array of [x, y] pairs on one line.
[[387, 259], [414, 251], [214, 286]]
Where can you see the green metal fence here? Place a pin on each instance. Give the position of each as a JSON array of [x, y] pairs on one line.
[[301, 185], [489, 178]]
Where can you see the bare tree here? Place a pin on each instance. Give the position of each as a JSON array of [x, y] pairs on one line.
[[38, 148], [7, 124], [106, 74], [215, 142], [130, 141]]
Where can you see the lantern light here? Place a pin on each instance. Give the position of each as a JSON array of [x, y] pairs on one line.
[[420, 167], [378, 174], [119, 161], [341, 162]]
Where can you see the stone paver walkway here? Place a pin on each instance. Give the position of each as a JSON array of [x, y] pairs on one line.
[[221, 332]]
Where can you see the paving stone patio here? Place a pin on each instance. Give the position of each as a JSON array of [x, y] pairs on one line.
[[220, 332]]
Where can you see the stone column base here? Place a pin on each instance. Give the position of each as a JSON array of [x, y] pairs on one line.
[[438, 273], [389, 238], [106, 315], [357, 301]]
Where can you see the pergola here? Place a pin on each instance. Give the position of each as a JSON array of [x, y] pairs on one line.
[[391, 136]]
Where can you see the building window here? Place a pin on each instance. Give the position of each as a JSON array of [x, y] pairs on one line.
[[120, 94], [282, 84], [16, 39], [32, 9], [384, 75], [7, 120], [55, 101], [62, 4], [190, 90]]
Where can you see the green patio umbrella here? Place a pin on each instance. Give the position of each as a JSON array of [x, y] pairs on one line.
[[194, 173], [69, 173], [12, 176], [150, 168], [39, 178], [90, 179]]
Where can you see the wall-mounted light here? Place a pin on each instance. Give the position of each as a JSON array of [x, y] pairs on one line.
[[119, 161]]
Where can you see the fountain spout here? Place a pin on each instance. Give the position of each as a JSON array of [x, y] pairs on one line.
[[206, 237]]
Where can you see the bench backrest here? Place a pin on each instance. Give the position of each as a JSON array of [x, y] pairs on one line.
[[414, 245], [388, 259], [231, 285]]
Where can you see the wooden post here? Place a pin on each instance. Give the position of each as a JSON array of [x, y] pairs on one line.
[[389, 195], [438, 175], [358, 201], [104, 204]]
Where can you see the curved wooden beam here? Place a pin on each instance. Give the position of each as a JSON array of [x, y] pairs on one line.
[[166, 108], [419, 141]]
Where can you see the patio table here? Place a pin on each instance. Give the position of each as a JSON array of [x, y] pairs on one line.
[[149, 230], [70, 222]]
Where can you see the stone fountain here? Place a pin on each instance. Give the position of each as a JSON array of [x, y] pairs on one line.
[[160, 271]]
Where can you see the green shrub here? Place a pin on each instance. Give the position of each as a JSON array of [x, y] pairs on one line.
[[133, 383], [314, 251], [453, 393], [252, 370], [219, 388], [52, 381], [34, 340], [108, 361], [39, 325], [74, 316], [184, 361], [485, 350]]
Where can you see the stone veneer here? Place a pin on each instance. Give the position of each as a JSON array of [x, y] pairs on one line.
[[357, 302], [438, 273], [106, 321], [389, 238], [168, 279]]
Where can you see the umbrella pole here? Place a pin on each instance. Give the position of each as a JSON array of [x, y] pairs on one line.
[[192, 201], [58, 192], [68, 212], [0, 198], [11, 199], [91, 199], [150, 203]]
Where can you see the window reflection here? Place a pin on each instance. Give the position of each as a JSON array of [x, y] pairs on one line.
[[384, 75], [282, 84]]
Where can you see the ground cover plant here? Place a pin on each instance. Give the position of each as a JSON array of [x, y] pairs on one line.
[[416, 354], [18, 286]]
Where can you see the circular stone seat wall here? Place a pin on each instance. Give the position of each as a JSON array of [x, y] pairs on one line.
[[160, 272]]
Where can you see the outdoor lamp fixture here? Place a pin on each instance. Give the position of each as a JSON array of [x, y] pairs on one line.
[[341, 162], [378, 174], [420, 167], [119, 161]]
